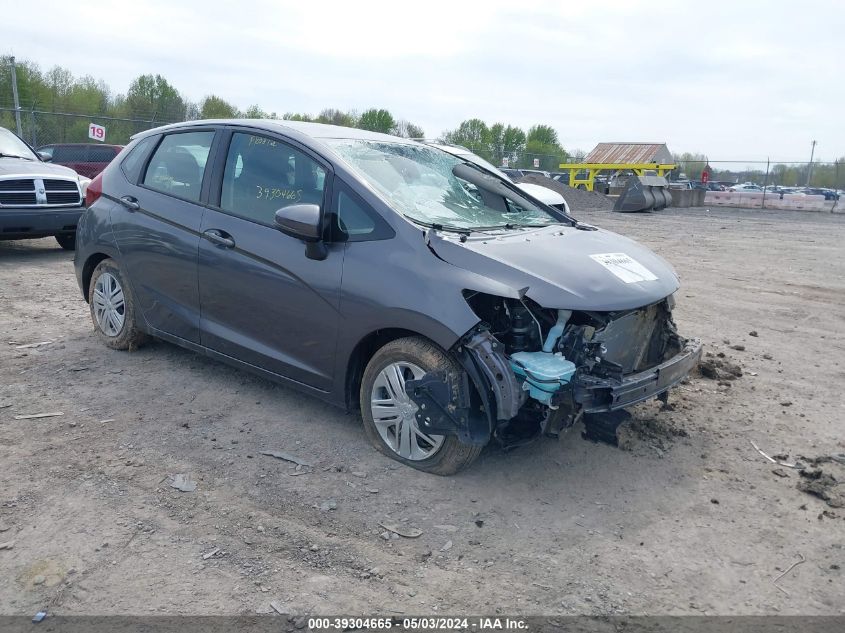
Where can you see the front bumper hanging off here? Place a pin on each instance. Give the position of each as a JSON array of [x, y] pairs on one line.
[[596, 394], [486, 367]]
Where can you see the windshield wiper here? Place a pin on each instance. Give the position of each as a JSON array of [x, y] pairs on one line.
[[2, 155], [515, 225], [440, 227]]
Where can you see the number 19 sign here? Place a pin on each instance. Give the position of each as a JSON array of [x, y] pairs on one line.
[[97, 132]]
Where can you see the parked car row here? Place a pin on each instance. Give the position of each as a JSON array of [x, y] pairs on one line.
[[746, 187], [710, 185], [829, 194]]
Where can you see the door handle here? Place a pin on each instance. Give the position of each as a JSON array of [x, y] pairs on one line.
[[130, 203], [221, 238]]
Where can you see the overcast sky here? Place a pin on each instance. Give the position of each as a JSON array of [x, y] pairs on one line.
[[734, 80]]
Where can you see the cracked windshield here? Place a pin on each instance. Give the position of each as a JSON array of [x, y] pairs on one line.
[[418, 181]]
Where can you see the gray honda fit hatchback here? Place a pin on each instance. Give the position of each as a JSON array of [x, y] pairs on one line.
[[377, 273]]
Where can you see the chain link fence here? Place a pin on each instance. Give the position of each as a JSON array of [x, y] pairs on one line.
[[765, 174], [40, 128], [505, 159]]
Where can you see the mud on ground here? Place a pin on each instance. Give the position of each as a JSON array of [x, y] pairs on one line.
[[690, 518]]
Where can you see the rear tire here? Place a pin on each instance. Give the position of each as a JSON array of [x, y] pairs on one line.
[[67, 241], [440, 455], [113, 308]]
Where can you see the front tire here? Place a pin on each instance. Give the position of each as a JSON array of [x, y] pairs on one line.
[[67, 241], [388, 412], [113, 308]]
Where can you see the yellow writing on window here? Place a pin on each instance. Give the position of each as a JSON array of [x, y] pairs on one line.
[[272, 193], [261, 140]]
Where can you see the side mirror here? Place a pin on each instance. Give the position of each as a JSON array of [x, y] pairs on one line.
[[302, 221], [45, 157]]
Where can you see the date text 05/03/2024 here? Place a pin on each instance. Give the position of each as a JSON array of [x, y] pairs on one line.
[[424, 623]]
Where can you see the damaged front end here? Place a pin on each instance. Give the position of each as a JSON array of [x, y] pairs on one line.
[[537, 370]]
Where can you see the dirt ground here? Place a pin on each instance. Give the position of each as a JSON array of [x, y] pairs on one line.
[[686, 518]]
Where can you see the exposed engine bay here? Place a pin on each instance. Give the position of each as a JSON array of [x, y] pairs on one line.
[[538, 370]]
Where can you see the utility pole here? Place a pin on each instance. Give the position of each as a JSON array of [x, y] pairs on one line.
[[15, 97], [810, 166], [766, 182]]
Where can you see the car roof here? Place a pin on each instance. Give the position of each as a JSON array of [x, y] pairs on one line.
[[454, 150], [316, 131]]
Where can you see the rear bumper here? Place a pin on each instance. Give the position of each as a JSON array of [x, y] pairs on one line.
[[601, 394], [17, 223]]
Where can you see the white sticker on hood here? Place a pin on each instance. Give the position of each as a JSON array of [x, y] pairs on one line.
[[625, 267]]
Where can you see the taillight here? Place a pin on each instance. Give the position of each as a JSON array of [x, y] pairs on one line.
[[94, 191]]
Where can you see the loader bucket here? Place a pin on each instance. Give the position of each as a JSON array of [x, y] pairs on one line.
[[644, 193], [661, 193]]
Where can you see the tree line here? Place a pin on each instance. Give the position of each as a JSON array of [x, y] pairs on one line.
[[503, 144], [73, 102]]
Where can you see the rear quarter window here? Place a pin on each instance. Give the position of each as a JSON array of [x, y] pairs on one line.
[[133, 162]]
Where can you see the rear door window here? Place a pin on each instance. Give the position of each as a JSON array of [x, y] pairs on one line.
[[262, 175], [178, 164]]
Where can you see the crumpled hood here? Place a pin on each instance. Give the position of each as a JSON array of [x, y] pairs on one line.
[[564, 267], [32, 169]]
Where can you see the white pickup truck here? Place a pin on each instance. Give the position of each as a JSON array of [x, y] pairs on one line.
[[37, 199]]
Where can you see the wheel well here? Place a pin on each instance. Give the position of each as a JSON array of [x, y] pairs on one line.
[[88, 270], [362, 354]]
